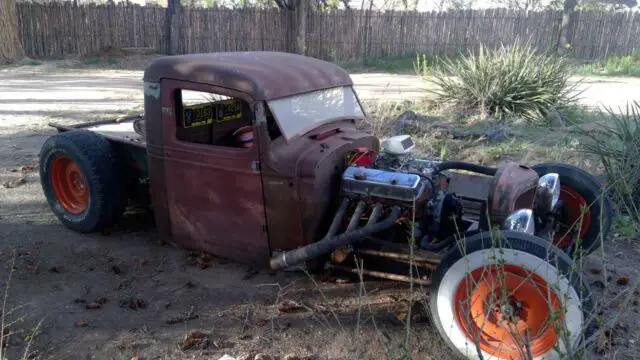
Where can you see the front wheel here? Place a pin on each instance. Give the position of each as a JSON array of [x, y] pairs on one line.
[[586, 211], [509, 295]]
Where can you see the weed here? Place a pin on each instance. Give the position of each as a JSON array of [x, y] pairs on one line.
[[421, 66], [617, 145], [614, 65], [100, 62]]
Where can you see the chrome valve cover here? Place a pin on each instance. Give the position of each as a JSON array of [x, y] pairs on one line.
[[359, 182]]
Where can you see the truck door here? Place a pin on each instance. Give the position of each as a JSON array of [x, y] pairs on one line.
[[214, 187]]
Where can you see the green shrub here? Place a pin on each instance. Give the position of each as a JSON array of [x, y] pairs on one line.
[[617, 144], [420, 65], [614, 65], [505, 82]]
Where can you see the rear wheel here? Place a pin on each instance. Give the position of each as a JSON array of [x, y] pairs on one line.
[[80, 178], [508, 300], [584, 215]]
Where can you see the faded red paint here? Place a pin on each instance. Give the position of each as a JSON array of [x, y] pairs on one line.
[[214, 198], [263, 75]]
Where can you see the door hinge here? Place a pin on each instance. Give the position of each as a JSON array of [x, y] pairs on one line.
[[255, 165]]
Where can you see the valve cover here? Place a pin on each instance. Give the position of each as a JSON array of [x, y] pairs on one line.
[[359, 182]]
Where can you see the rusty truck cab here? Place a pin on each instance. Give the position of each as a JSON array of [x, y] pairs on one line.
[[273, 191]]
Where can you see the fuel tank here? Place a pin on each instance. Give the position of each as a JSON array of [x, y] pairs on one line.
[[301, 181]]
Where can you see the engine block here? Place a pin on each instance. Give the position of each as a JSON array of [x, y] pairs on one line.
[[367, 182]]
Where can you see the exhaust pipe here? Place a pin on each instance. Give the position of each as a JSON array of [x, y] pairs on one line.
[[331, 242]]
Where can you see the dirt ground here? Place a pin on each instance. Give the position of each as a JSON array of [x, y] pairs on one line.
[[147, 296]]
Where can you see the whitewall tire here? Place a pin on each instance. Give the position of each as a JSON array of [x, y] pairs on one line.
[[487, 298]]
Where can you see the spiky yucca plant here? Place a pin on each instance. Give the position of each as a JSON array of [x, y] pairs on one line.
[[505, 82], [617, 144]]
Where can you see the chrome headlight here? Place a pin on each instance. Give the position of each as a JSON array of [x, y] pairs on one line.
[[548, 192], [521, 221]]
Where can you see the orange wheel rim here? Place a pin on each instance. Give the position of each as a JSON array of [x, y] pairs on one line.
[[573, 204], [503, 307], [69, 184]]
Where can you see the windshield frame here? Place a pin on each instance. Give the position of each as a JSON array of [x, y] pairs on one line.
[[310, 125]]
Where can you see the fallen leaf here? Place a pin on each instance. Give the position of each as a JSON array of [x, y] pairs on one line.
[[116, 269], [80, 323], [595, 270], [245, 356], [402, 316], [194, 340], [288, 306], [56, 269], [33, 268], [189, 315], [223, 344], [132, 303], [138, 304], [27, 168], [202, 263], [624, 280], [94, 305], [101, 300], [10, 184]]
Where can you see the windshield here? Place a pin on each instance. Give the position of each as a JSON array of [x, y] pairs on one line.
[[300, 113]]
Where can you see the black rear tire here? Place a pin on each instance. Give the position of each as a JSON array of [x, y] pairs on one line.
[[588, 187], [99, 172]]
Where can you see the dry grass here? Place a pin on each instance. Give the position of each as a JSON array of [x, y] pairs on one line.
[[6, 325], [529, 144]]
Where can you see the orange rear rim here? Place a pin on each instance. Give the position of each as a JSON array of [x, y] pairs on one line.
[[69, 184], [573, 204], [504, 307]]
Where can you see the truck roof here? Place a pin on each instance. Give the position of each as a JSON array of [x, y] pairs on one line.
[[264, 75]]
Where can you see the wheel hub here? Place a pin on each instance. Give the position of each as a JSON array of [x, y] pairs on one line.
[[504, 305], [69, 184]]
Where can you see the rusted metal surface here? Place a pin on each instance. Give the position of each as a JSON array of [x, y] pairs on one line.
[[115, 130], [512, 188], [302, 182], [274, 196], [403, 250], [263, 75], [416, 258], [213, 194], [380, 274]]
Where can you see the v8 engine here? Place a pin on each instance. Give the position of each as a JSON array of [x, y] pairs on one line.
[[396, 178]]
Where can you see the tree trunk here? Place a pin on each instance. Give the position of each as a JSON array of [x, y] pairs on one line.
[[10, 46], [564, 42], [301, 26]]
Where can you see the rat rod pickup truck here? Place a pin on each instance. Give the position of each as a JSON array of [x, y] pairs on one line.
[[258, 157]]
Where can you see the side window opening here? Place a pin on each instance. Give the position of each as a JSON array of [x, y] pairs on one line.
[[272, 126], [213, 119]]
